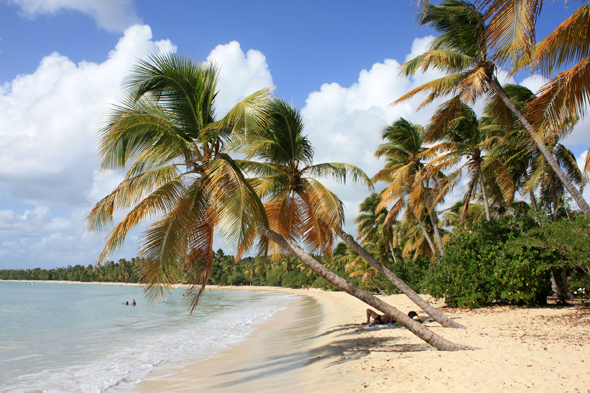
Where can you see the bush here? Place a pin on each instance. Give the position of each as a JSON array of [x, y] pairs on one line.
[[479, 269]]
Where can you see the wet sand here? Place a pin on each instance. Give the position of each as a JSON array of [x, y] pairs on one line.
[[273, 357]]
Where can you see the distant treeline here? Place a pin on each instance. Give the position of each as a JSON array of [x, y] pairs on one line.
[[285, 271], [122, 271]]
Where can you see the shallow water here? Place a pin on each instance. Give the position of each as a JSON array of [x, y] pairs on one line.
[[65, 337]]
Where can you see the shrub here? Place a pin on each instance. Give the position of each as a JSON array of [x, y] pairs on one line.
[[478, 269]]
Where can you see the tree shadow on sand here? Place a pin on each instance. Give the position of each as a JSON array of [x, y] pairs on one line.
[[349, 348]]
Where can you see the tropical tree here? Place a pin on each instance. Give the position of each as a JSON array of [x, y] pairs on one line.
[[405, 172], [462, 51], [298, 206], [464, 142], [530, 170], [166, 135]]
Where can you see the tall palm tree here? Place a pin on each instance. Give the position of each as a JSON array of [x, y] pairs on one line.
[[166, 135], [462, 51], [464, 142], [299, 207], [405, 172]]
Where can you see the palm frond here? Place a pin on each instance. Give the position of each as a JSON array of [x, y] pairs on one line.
[[569, 43], [339, 172]]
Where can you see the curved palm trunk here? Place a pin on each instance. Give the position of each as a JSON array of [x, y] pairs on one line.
[[466, 201], [377, 286], [486, 204], [434, 226], [426, 235], [416, 328], [574, 192], [395, 280]]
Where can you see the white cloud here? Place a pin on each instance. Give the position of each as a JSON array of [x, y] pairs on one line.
[[240, 74], [112, 15]]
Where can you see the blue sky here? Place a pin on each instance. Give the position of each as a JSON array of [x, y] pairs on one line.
[[62, 63]]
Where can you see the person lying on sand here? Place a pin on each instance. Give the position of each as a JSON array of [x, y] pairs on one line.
[[386, 319]]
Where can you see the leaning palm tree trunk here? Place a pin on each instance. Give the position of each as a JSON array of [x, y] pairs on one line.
[[434, 226], [377, 286], [426, 235], [416, 328], [486, 204], [395, 280], [574, 192]]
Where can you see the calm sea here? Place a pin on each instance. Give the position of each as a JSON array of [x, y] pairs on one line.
[[81, 338]]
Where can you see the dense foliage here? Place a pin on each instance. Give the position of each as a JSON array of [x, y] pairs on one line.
[[122, 271]]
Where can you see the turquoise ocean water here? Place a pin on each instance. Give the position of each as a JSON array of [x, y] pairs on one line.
[[81, 338]]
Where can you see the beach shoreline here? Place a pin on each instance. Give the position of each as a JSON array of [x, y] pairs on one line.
[[541, 349]]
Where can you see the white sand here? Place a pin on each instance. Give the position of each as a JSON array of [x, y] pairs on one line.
[[537, 350]]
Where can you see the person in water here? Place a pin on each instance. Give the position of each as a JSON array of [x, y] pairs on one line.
[[386, 319], [133, 302]]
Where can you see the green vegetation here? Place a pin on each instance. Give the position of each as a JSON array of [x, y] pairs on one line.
[[122, 271]]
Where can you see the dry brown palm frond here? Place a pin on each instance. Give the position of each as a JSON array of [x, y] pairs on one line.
[[586, 170], [510, 30], [564, 97], [569, 43]]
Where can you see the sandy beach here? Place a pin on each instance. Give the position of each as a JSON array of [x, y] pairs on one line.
[[322, 344]]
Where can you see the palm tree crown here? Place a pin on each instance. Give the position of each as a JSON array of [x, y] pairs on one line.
[[166, 136], [298, 206]]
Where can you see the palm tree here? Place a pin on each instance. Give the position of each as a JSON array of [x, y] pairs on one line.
[[166, 136], [464, 142], [461, 50], [530, 169], [299, 207], [404, 171]]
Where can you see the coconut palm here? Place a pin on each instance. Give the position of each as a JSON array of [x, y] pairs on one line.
[[461, 51], [529, 168], [166, 135], [464, 143], [405, 172], [299, 207]]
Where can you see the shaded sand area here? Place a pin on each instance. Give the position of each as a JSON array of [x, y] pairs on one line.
[[321, 344]]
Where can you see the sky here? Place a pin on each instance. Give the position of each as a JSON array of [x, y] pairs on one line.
[[62, 64]]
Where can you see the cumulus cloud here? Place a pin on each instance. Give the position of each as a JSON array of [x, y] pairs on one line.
[[112, 15], [240, 75]]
